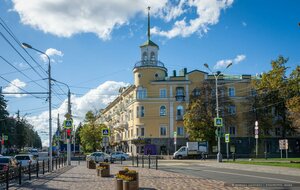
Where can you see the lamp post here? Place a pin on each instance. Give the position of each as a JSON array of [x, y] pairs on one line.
[[216, 75], [25, 45], [70, 114]]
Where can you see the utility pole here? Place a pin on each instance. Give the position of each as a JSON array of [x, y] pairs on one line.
[[68, 139], [58, 129]]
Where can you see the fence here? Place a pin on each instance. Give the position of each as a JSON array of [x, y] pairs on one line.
[[144, 161], [21, 173]]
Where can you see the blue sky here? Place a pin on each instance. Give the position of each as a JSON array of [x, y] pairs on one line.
[[95, 45]]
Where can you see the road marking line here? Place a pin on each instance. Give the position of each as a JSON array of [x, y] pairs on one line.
[[252, 176]]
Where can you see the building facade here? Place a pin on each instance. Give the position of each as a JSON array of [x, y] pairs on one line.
[[145, 115]]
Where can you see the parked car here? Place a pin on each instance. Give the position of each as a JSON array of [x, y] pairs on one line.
[[34, 152], [119, 155], [6, 161], [100, 157], [25, 159]]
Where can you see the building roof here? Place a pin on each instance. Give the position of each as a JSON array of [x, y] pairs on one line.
[[149, 43]]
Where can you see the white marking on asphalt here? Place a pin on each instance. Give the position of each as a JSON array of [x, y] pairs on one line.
[[252, 176]]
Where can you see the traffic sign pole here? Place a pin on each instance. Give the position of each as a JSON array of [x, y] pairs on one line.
[[175, 139]]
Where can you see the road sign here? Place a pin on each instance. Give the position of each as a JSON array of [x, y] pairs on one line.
[[218, 122], [256, 132], [5, 137], [175, 134], [283, 144], [256, 128], [68, 124], [105, 132], [227, 138], [256, 136]]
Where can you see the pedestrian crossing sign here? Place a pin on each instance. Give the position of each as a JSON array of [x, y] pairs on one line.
[[105, 132], [218, 122], [68, 124]]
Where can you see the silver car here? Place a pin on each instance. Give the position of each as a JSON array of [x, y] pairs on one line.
[[119, 155], [99, 157], [25, 159]]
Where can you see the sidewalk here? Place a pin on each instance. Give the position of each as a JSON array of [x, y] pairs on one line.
[[79, 177]]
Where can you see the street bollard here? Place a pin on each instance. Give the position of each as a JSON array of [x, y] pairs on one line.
[[43, 167], [137, 160], [7, 177], [233, 156], [20, 173], [58, 162], [142, 161], [149, 161], [121, 160], [29, 171], [156, 160], [37, 169], [48, 165]]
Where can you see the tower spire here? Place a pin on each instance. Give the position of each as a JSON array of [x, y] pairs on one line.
[[148, 23]]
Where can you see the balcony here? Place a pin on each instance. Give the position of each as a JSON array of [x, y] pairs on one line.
[[180, 98], [179, 117], [149, 63]]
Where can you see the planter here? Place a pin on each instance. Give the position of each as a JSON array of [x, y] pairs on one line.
[[122, 172], [130, 185], [91, 164], [104, 172], [119, 184]]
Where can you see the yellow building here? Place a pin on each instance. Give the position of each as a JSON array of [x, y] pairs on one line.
[[145, 115]]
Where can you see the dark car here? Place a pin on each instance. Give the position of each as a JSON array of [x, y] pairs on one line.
[[6, 161]]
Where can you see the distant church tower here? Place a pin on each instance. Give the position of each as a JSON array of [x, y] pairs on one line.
[[149, 68]]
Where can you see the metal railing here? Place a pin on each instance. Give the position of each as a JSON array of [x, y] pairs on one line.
[[144, 161], [16, 175]]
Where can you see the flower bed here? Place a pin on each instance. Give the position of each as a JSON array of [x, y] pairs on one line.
[[128, 178]]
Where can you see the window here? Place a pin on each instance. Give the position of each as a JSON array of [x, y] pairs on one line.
[[131, 133], [180, 131], [152, 56], [179, 94], [232, 130], [163, 111], [163, 93], [145, 57], [231, 92], [196, 92], [141, 93], [140, 111], [142, 131], [137, 131], [232, 110], [253, 92], [179, 113], [163, 131]]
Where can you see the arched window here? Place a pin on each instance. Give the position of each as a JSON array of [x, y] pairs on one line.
[[145, 57], [162, 111], [152, 56], [179, 113]]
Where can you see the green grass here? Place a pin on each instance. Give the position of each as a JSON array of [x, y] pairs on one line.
[[270, 162]]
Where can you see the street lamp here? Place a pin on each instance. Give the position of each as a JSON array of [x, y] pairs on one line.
[[216, 75], [69, 115], [25, 45]]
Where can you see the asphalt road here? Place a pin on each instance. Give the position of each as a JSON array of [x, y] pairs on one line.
[[231, 176]]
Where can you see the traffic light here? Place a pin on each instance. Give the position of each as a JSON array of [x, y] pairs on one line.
[[68, 133]]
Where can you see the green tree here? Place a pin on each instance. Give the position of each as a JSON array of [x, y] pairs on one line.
[[272, 95], [199, 117], [91, 133]]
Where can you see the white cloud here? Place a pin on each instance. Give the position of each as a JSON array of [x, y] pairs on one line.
[[66, 18], [93, 100], [51, 52], [208, 13], [223, 63], [14, 87]]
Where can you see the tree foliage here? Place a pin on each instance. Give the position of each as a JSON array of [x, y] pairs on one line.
[[277, 100], [91, 133], [198, 119]]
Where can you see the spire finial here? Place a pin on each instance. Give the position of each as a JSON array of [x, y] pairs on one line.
[[148, 23]]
